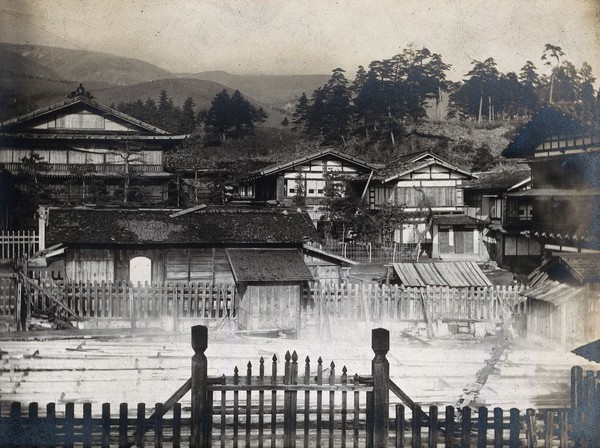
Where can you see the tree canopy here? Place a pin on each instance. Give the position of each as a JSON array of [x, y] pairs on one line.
[[232, 115]]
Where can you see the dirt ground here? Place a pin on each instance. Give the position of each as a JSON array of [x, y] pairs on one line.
[[148, 366]]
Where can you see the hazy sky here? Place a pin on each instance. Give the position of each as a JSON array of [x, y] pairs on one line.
[[308, 36]]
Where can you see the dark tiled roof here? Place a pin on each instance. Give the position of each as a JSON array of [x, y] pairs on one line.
[[453, 220], [268, 265], [586, 266], [549, 121], [213, 225], [500, 180]]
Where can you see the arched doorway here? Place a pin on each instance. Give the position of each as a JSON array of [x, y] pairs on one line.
[[140, 270]]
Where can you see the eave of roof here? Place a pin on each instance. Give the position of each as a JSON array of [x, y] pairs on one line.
[[89, 136], [457, 220], [554, 192]]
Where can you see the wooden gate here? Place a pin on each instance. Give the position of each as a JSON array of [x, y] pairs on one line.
[[320, 405]]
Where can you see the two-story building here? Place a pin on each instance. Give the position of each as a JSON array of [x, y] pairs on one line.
[[430, 189], [562, 208], [485, 199], [308, 177], [82, 151]]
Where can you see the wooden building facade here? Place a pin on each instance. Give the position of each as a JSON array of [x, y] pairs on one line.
[[426, 185], [486, 199], [307, 176], [260, 250], [81, 151], [561, 209]]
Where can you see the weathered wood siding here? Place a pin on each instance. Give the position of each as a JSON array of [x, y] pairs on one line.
[[89, 265], [569, 324], [198, 264]]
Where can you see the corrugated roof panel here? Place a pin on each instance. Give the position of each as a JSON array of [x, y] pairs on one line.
[[462, 277], [449, 278], [453, 274]]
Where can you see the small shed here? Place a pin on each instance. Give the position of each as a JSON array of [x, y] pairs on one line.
[[453, 274], [563, 300], [270, 284]]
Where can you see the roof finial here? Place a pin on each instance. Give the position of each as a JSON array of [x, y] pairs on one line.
[[80, 91]]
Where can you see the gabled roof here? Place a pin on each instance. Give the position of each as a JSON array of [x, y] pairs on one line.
[[209, 226], [550, 121], [75, 103], [268, 265], [416, 161], [456, 274], [273, 169]]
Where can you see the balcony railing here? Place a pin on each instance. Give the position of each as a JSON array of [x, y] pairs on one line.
[[77, 169]]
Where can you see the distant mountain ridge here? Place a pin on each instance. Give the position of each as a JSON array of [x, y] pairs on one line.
[[276, 90], [56, 69], [82, 65]]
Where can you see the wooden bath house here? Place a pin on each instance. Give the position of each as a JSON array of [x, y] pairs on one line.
[[258, 249]]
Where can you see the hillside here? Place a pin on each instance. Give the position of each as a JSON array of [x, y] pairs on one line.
[[78, 65], [269, 89]]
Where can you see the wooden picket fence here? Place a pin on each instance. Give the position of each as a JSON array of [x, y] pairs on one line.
[[17, 244], [208, 301], [82, 424], [377, 303], [101, 300], [285, 407]]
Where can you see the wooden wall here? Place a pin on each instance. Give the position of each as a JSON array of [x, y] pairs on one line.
[[88, 265], [198, 264], [570, 324], [168, 265]]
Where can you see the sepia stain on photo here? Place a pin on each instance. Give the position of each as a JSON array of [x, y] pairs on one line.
[[267, 223]]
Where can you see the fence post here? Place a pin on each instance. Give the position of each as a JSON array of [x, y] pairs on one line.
[[380, 343], [199, 426]]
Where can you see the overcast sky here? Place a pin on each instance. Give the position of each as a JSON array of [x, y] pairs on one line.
[[308, 36]]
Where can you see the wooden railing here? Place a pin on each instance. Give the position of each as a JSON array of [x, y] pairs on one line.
[[287, 408], [75, 168], [18, 243]]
